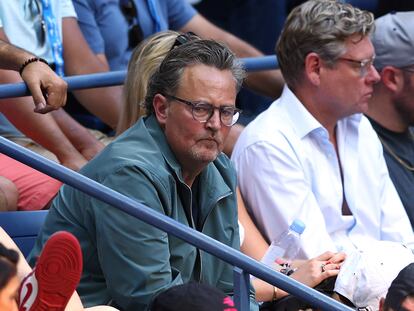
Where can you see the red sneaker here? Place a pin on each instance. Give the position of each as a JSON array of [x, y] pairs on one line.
[[55, 277]]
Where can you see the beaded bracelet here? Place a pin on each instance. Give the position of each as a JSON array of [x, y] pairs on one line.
[[31, 60]]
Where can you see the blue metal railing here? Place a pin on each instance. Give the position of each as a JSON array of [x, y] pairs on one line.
[[244, 265], [118, 77], [133, 208]]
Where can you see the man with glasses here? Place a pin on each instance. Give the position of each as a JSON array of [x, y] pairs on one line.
[[312, 155], [170, 161], [391, 109]]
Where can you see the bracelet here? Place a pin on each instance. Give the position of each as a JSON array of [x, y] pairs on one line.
[[31, 60], [274, 297]]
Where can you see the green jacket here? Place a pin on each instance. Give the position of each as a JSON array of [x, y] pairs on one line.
[[126, 261]]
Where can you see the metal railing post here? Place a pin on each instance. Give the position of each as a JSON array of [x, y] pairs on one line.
[[241, 281]]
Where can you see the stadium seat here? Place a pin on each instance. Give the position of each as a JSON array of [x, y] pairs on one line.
[[23, 227]]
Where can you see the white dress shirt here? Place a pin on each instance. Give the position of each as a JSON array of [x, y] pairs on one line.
[[288, 169]]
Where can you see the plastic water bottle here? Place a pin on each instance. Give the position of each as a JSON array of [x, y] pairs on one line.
[[283, 251]]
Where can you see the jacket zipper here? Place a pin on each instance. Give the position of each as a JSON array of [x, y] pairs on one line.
[[202, 226]]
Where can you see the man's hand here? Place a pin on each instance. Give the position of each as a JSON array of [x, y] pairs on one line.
[[48, 90]]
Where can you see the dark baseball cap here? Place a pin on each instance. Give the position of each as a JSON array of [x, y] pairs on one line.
[[401, 287], [192, 296]]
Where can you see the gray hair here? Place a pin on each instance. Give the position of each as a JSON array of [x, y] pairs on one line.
[[167, 78], [322, 27]]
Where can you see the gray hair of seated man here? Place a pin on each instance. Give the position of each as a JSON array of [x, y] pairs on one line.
[[322, 27], [166, 79]]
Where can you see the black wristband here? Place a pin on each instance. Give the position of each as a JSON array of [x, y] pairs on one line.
[[31, 60]]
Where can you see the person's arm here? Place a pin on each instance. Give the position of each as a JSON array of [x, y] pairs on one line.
[[79, 59], [37, 75], [78, 135], [266, 82], [253, 245], [42, 128]]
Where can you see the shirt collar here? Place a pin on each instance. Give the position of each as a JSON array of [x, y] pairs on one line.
[[303, 121]]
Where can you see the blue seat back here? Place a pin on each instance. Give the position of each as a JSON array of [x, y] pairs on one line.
[[23, 227]]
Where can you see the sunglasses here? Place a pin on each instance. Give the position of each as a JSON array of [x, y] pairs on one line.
[[36, 14], [130, 11], [184, 38]]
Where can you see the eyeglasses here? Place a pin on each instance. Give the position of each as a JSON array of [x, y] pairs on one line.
[[36, 14], [184, 38], [363, 64], [130, 11], [202, 111]]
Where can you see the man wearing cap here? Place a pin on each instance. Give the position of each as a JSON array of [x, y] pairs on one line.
[[391, 109], [172, 162], [312, 155]]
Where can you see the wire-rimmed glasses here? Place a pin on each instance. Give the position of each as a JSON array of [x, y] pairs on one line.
[[130, 11], [363, 64]]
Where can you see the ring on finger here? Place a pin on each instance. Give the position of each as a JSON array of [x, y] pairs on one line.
[[323, 267]]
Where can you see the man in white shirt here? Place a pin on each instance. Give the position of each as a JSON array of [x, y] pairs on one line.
[[312, 155]]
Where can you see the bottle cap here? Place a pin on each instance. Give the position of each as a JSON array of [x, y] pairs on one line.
[[298, 226]]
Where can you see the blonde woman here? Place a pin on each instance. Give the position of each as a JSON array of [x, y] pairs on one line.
[[144, 61]]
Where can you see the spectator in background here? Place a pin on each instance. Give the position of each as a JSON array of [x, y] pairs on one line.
[[22, 187], [391, 109], [257, 22], [316, 157], [37, 75], [52, 32], [127, 22], [72, 144], [165, 161]]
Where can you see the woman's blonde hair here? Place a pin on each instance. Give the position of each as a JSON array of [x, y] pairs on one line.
[[144, 61]]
